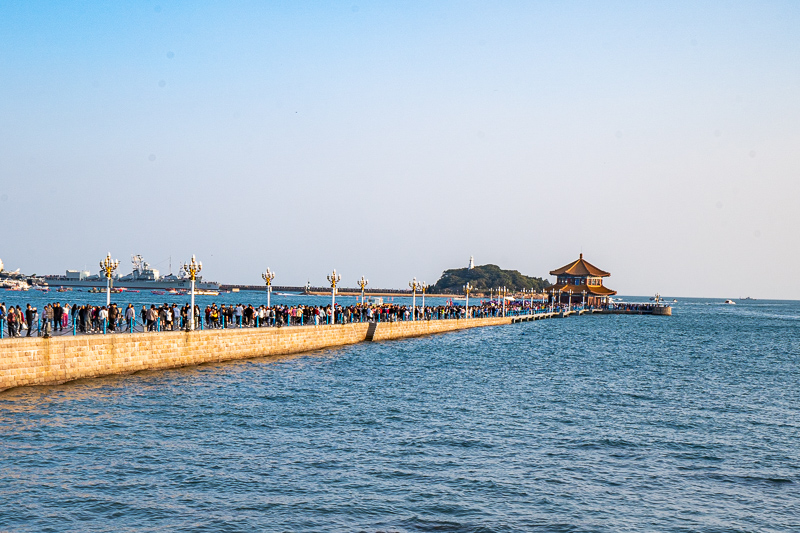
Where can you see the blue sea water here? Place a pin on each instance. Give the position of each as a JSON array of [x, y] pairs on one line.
[[588, 424]]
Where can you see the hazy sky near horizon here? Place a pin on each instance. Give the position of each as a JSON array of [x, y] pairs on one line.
[[395, 140]]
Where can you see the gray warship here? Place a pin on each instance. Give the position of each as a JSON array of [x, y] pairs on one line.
[[143, 276]]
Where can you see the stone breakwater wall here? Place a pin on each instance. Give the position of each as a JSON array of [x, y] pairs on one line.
[[38, 361], [400, 330]]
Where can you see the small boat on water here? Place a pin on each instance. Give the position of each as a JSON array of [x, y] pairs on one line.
[[177, 292], [730, 302]]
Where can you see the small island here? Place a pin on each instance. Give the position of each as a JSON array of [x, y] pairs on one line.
[[484, 278]]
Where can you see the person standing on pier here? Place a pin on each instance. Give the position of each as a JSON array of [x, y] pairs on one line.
[[47, 319], [130, 314], [238, 313], [11, 319], [102, 319], [165, 314], [151, 317], [30, 317], [113, 316], [57, 312]]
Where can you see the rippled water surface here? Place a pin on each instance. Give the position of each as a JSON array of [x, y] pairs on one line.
[[613, 423]]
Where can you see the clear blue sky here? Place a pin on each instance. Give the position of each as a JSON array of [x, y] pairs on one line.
[[396, 139]]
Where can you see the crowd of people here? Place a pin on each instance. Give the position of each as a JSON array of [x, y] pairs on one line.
[[636, 307], [86, 319]]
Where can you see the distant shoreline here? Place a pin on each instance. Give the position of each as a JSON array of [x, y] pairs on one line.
[[409, 294]]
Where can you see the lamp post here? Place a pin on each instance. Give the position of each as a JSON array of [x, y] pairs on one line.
[[505, 291], [413, 285], [559, 297], [423, 287], [569, 302], [268, 276], [467, 288], [362, 283], [583, 302], [334, 279], [107, 267], [191, 269]]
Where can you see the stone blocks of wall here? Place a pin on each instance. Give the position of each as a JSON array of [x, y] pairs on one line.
[[401, 330]]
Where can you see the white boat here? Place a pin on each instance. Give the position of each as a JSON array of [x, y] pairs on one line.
[[204, 292], [730, 302], [13, 285]]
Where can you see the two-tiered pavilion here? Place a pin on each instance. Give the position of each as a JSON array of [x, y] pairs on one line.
[[579, 281]]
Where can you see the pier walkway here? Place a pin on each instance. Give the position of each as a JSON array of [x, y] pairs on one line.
[[53, 360]]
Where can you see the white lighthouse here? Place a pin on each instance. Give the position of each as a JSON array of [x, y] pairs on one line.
[[471, 263]]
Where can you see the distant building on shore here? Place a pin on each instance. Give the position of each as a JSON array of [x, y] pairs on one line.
[[578, 280]]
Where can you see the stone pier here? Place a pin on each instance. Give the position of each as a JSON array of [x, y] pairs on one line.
[[39, 361]]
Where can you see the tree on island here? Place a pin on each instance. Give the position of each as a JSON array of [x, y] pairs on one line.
[[485, 277]]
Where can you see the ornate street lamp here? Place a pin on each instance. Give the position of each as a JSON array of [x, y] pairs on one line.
[[191, 269], [268, 276], [583, 303], [423, 287], [107, 268], [505, 292], [413, 285], [362, 283], [467, 288], [569, 307], [334, 279]]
